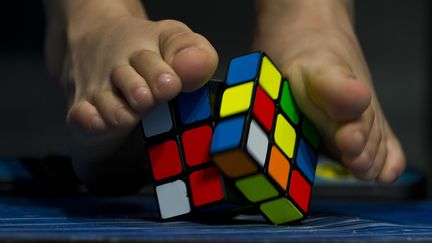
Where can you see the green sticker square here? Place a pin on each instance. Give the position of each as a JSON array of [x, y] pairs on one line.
[[288, 105], [256, 188], [310, 133], [281, 211]]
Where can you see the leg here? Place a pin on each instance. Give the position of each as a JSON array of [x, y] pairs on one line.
[[315, 45], [116, 65]]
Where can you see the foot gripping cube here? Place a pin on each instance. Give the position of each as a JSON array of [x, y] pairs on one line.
[[263, 142]]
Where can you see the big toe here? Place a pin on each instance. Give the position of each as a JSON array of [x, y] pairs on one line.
[[338, 92], [191, 55], [194, 66]]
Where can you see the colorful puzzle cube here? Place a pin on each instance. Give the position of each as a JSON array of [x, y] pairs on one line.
[[178, 135], [263, 142]]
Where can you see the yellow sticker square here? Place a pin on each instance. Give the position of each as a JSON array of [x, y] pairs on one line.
[[270, 78], [236, 99], [285, 136]]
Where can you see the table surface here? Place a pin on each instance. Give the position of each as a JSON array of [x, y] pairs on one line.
[[132, 219], [88, 218]]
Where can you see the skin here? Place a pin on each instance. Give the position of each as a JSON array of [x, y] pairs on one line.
[[116, 65]]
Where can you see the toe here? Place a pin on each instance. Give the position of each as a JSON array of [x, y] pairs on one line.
[[371, 160], [184, 61], [334, 89], [164, 83], [375, 164], [395, 162], [380, 159], [360, 165], [114, 110], [84, 117], [133, 88], [351, 138], [191, 55], [201, 64]]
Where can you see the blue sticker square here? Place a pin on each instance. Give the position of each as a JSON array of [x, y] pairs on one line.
[[307, 159], [227, 134], [243, 69], [194, 106]]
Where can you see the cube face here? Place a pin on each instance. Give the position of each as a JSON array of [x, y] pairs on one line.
[[270, 78], [300, 190], [279, 167], [285, 136], [165, 160], [227, 135], [194, 106], [310, 133], [178, 143], [264, 109], [271, 151], [206, 186], [196, 145], [257, 143], [243, 69], [288, 105], [256, 188], [172, 199], [306, 160], [281, 211], [236, 99], [235, 163], [157, 122]]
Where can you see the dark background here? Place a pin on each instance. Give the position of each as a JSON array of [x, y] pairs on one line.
[[395, 35]]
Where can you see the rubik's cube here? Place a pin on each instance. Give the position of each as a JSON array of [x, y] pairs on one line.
[[263, 142], [178, 136]]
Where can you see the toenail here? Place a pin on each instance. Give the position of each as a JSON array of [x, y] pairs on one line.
[[164, 80], [121, 115], [96, 123], [140, 94], [189, 49]]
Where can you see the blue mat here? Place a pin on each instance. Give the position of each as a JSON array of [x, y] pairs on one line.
[[131, 219]]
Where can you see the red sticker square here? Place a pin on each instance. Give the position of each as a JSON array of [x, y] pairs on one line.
[[206, 186], [300, 190], [196, 145], [165, 160], [264, 109]]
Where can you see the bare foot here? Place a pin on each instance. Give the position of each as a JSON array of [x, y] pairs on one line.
[[117, 65], [314, 44]]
